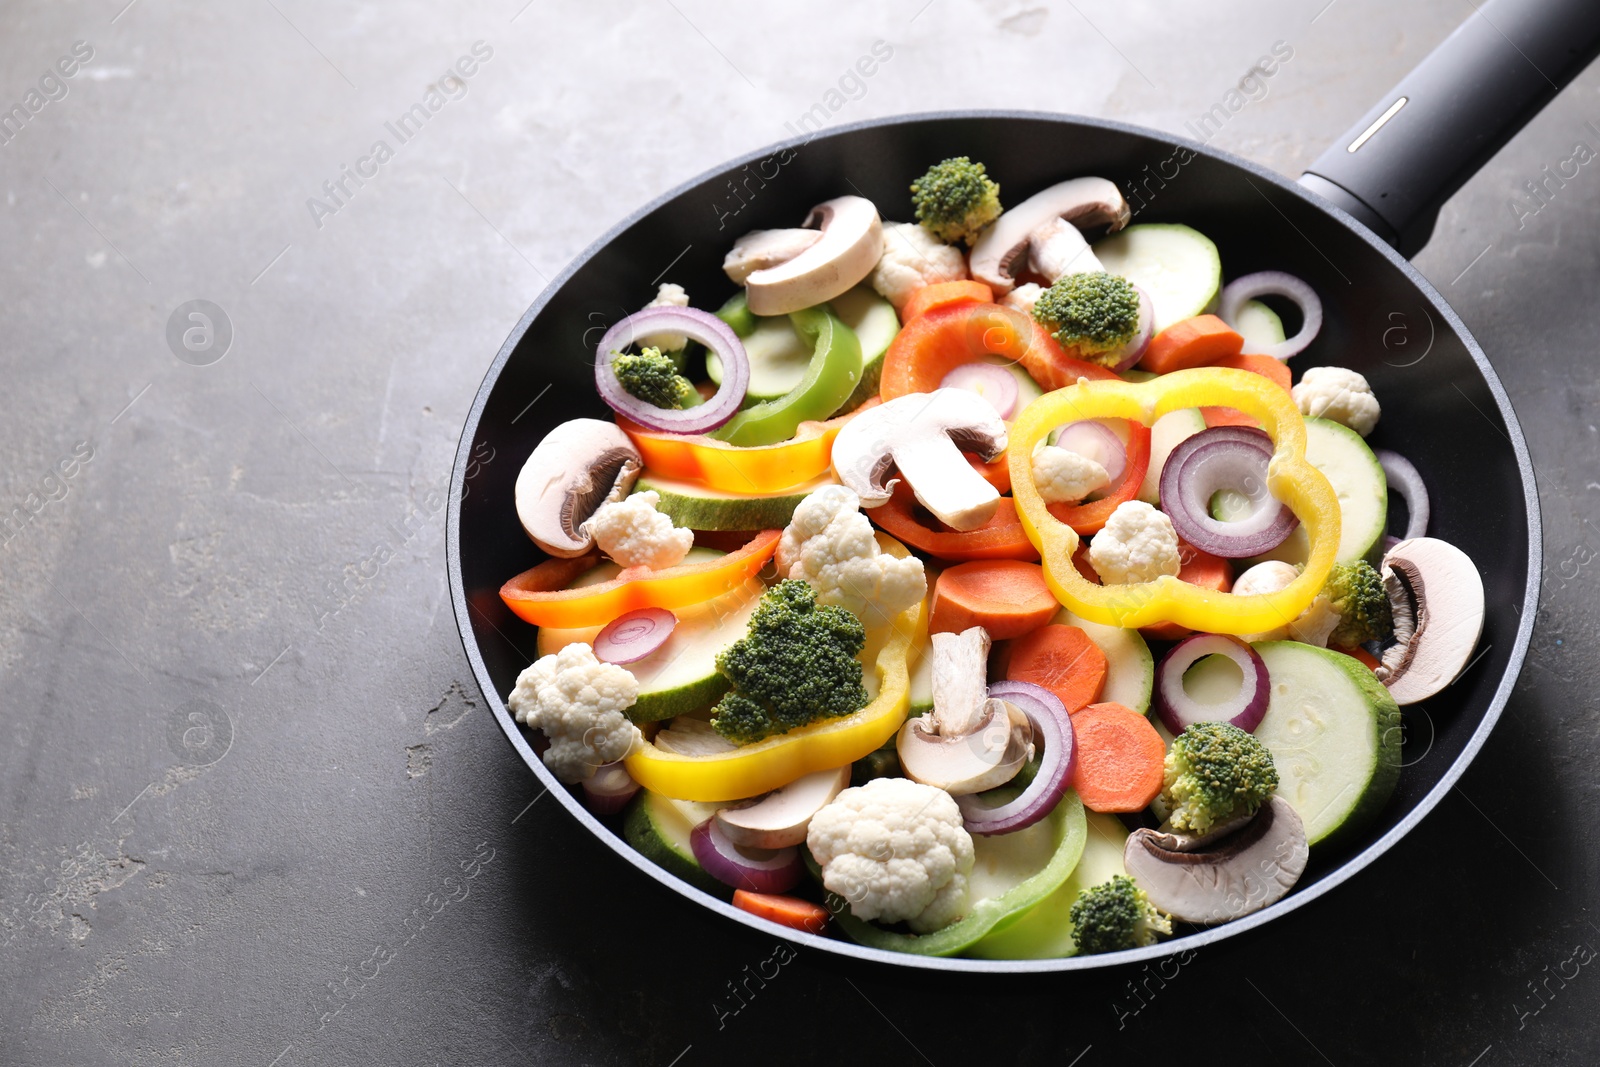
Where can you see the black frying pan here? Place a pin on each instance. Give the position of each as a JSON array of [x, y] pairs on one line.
[[1379, 185]]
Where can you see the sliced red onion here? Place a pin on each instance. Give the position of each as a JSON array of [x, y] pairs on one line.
[[1275, 283], [1134, 351], [1179, 710], [1224, 457], [1096, 441], [989, 380], [757, 870], [631, 637], [1404, 479], [696, 325], [1052, 728], [608, 790]]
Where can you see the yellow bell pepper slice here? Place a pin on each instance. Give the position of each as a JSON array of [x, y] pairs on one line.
[[1290, 478], [735, 469], [540, 595], [751, 770]]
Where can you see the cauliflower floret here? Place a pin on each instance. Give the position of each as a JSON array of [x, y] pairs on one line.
[[1339, 394], [578, 702], [896, 850], [1023, 297], [1312, 626], [667, 296], [913, 257], [1137, 544], [1064, 476], [830, 545], [634, 534]]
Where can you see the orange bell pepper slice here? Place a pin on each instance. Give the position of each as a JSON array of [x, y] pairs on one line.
[[937, 342], [734, 469], [540, 595], [943, 294], [1002, 537]]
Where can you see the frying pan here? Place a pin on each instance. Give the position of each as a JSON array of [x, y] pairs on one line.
[[1369, 200]]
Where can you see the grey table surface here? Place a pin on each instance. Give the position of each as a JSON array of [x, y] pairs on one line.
[[254, 810]]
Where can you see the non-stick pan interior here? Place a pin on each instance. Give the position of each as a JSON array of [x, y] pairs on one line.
[[1439, 409]]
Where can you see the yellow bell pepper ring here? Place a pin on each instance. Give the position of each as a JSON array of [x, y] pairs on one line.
[[1290, 478], [751, 770]]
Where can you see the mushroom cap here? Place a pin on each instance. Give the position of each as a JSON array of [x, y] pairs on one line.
[[579, 465], [782, 817], [1087, 203], [1437, 596], [989, 756], [850, 246], [923, 435], [762, 249], [1236, 875]]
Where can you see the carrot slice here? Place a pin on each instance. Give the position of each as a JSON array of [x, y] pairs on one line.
[[792, 912], [1007, 597], [938, 341], [1367, 659], [1194, 342], [1196, 568], [1276, 369], [1119, 758], [1002, 537], [944, 294], [1062, 659]]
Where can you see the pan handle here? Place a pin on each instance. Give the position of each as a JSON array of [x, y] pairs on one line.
[[1430, 133]]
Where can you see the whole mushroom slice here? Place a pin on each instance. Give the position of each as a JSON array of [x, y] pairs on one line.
[[923, 435], [579, 465], [991, 754], [763, 249], [1221, 879], [1087, 203], [782, 817], [850, 246], [1436, 594]]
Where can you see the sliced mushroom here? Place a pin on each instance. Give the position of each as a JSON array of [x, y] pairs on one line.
[[1224, 878], [1436, 594], [780, 818], [850, 246], [764, 249], [989, 755], [923, 435], [960, 679], [1057, 248], [579, 465], [1002, 252]]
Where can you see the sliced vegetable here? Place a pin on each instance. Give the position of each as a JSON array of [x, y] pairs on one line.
[[540, 595], [1240, 699], [1436, 595], [1195, 342], [876, 326], [999, 538], [1206, 881], [701, 326], [698, 507], [608, 790], [994, 384], [1167, 433], [1404, 479], [1006, 597], [635, 635], [1234, 458], [660, 832], [1097, 441], [968, 757], [1199, 569], [1001, 253], [1130, 668], [787, 911], [1061, 659], [1053, 733], [1119, 759], [1359, 483], [580, 465], [851, 243], [780, 819], [1089, 517], [1275, 283], [759, 870], [829, 380], [945, 294], [1178, 266]]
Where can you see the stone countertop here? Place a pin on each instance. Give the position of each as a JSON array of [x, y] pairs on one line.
[[255, 810]]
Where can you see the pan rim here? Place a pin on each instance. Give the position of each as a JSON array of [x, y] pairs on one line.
[[847, 949]]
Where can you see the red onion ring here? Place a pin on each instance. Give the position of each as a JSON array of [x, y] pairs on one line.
[[1224, 457], [1275, 283], [1404, 479], [631, 637], [1052, 727], [1179, 710], [992, 382], [1096, 441], [696, 325], [758, 870], [608, 790], [1134, 351]]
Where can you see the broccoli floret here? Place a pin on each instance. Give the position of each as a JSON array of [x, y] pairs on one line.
[[1116, 915], [1093, 315], [1215, 771], [653, 378], [1355, 590], [956, 199], [795, 665]]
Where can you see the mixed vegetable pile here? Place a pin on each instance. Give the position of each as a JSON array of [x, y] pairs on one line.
[[979, 589]]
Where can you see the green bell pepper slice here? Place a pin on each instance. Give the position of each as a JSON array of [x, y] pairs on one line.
[[829, 380]]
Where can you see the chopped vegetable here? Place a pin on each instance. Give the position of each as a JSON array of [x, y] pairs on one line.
[[913, 261], [653, 378], [1001, 537], [1215, 772], [956, 199], [695, 325], [787, 911], [634, 534], [1240, 703], [1053, 732], [1119, 759], [1006, 597], [1355, 591], [830, 544], [945, 294], [1340, 395], [1115, 916], [580, 704], [829, 380], [1194, 342], [1094, 317], [1063, 660]]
